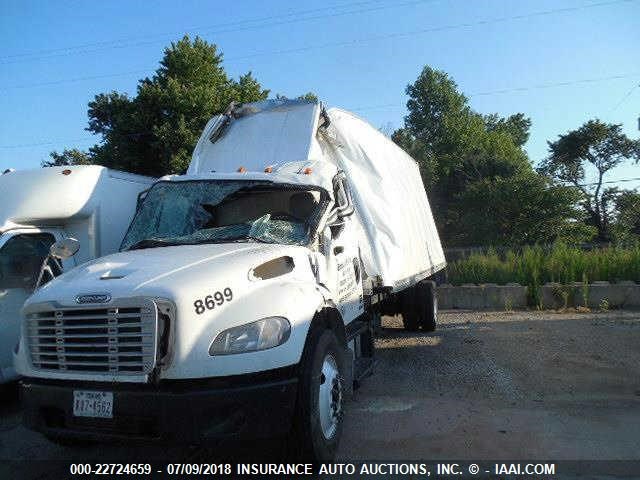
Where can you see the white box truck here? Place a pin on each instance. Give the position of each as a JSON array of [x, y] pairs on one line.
[[41, 206], [246, 293]]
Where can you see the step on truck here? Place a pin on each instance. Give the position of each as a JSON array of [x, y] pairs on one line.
[[42, 206], [246, 294]]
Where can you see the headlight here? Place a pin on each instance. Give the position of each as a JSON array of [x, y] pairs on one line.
[[266, 333]]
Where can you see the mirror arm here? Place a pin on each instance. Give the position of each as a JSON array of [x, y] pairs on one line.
[[44, 267]]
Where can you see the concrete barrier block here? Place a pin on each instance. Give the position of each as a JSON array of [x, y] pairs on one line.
[[472, 297], [614, 295], [481, 297], [512, 297], [553, 295]]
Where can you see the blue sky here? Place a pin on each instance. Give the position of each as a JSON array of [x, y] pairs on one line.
[[356, 54]]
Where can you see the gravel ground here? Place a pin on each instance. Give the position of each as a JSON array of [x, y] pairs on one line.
[[497, 385], [485, 385]]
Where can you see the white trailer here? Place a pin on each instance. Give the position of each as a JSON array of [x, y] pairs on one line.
[[41, 206], [247, 292]]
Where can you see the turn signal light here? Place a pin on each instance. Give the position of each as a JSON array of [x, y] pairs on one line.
[[66, 172], [268, 170], [307, 171], [242, 170]]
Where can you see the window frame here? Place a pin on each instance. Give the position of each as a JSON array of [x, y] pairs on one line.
[[12, 235]]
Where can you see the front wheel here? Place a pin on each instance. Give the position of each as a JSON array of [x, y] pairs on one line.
[[319, 410]]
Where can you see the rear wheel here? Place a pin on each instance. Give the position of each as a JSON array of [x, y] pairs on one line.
[[419, 307], [409, 312], [431, 304], [319, 410]]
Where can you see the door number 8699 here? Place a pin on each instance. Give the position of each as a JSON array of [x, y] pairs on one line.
[[210, 301]]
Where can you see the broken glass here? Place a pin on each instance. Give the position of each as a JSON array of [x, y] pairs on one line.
[[223, 211]]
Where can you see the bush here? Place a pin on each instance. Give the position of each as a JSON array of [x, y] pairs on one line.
[[537, 265]]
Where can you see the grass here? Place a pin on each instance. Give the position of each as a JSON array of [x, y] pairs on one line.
[[536, 265]]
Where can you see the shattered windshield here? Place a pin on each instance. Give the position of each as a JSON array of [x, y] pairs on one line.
[[222, 211]]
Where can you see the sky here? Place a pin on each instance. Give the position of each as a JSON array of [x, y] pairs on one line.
[[560, 62]]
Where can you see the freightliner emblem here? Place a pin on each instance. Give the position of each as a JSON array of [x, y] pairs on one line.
[[94, 298]]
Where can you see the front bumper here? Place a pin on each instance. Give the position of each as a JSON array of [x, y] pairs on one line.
[[178, 411]]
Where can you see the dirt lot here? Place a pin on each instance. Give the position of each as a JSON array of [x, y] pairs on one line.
[[490, 385], [503, 386]]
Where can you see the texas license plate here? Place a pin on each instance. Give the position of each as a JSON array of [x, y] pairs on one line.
[[92, 404]]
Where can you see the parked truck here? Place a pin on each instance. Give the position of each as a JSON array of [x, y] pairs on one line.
[[246, 293], [41, 206]]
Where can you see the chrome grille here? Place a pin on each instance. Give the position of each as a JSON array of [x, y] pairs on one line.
[[112, 341]]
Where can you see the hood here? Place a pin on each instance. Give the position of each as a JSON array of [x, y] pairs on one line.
[[160, 272]]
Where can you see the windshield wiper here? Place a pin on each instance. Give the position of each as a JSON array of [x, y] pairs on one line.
[[151, 243]]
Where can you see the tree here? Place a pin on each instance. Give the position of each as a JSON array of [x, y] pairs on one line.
[[516, 126], [71, 156], [627, 224], [596, 146], [309, 97], [523, 209], [458, 148], [154, 133]]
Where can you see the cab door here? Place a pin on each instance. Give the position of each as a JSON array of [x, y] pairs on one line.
[[344, 267], [22, 253]]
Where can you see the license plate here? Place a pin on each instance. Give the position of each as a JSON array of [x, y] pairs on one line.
[[92, 404]]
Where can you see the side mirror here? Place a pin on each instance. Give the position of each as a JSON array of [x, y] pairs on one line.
[[64, 248]]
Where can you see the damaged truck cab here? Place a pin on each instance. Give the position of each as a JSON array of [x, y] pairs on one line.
[[245, 296]]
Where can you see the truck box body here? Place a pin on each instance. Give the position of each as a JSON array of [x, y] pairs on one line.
[[94, 204], [38, 207], [399, 241]]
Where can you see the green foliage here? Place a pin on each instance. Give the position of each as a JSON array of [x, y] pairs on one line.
[[154, 133], [627, 225], [71, 156], [563, 293], [536, 265], [604, 305], [585, 290], [309, 97], [508, 304], [534, 297], [521, 209], [595, 145], [516, 126], [481, 185]]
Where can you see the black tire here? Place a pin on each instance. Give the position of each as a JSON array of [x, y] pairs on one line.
[[409, 311], [420, 307], [431, 304], [309, 441]]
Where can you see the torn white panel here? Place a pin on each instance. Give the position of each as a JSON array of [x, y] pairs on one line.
[[270, 133]]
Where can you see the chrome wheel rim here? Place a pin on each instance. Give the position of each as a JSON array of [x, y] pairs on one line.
[[330, 396]]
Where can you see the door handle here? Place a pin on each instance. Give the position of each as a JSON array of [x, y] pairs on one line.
[[338, 250]]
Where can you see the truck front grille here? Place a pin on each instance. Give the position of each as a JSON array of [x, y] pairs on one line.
[[111, 341]]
